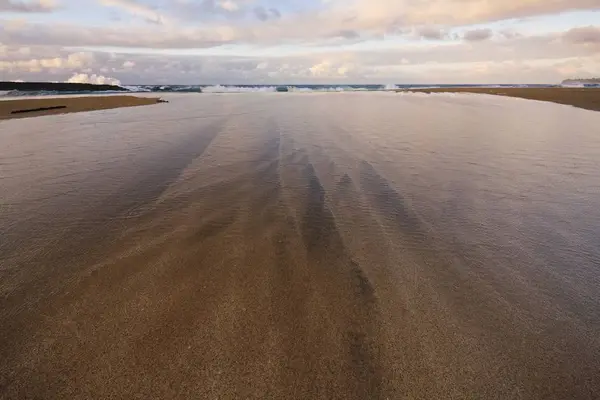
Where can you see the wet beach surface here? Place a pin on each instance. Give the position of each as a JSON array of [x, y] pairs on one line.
[[293, 246]]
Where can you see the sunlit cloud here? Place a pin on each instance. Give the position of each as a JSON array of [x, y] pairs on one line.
[[185, 41]]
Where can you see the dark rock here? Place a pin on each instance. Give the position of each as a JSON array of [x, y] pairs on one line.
[[58, 87]]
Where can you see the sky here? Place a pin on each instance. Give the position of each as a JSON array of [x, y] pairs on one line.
[[299, 41]]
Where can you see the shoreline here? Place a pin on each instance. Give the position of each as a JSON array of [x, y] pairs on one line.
[[37, 107], [586, 98]]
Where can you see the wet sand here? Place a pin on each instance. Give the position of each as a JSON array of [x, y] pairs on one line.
[[71, 104], [586, 98], [322, 246]]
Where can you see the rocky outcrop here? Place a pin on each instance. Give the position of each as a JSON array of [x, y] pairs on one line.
[[58, 87]]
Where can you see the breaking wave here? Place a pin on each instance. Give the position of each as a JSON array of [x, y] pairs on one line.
[[247, 89], [254, 88]]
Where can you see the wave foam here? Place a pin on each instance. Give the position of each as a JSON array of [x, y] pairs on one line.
[[136, 88], [238, 89]]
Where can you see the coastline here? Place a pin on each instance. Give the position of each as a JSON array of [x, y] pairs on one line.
[[586, 98], [59, 87], [20, 108]]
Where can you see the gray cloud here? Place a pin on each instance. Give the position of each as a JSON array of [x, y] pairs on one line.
[[24, 33], [58, 50], [275, 12], [208, 23], [373, 13], [136, 9], [542, 59], [209, 10], [431, 33], [476, 35], [363, 67], [33, 6], [363, 19], [347, 34], [265, 14], [585, 35]]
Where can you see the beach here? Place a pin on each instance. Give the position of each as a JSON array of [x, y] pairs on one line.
[[586, 98], [9, 108], [301, 246]]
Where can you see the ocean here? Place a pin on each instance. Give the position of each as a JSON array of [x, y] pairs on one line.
[[251, 89], [346, 245]]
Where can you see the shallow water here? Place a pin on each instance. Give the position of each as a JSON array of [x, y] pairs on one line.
[[308, 245]]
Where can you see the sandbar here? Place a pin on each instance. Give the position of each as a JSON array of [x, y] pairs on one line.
[[10, 109]]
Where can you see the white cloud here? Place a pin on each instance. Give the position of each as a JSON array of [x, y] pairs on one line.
[[320, 69], [28, 6], [519, 59], [137, 9], [331, 69], [190, 24], [472, 62], [159, 36], [378, 14], [228, 5], [94, 79], [329, 40], [75, 60]]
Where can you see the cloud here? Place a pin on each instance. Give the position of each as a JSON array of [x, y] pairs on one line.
[[375, 14], [94, 79], [538, 60], [211, 23], [585, 35], [75, 60], [195, 11], [476, 35], [228, 5], [416, 62], [137, 9], [431, 33], [369, 16], [31, 6], [265, 14], [68, 34], [323, 69], [300, 41]]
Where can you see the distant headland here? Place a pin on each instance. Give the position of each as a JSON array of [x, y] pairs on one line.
[[58, 87], [591, 81]]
